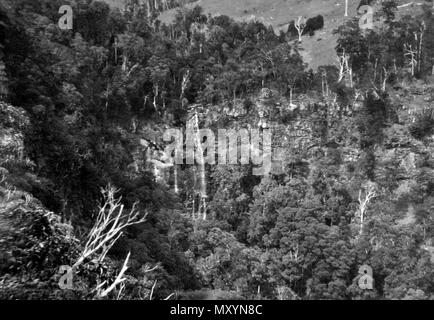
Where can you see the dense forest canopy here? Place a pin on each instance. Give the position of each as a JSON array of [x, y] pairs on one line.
[[83, 113]]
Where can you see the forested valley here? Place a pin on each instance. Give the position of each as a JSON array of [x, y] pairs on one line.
[[86, 184]]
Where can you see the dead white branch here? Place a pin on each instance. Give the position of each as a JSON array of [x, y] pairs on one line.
[[169, 296], [119, 279], [152, 290], [357, 93], [108, 227], [345, 71], [149, 269], [132, 69], [121, 289], [410, 53], [364, 199], [300, 25], [385, 78]]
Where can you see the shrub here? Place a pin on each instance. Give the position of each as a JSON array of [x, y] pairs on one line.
[[423, 125], [313, 24]]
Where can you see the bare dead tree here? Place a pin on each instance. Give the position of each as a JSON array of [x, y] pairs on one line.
[[293, 254], [283, 292], [175, 179], [345, 71], [201, 169], [291, 104], [419, 51], [300, 25], [148, 9], [165, 4], [385, 78], [280, 291], [410, 53], [324, 84], [349, 71], [107, 229], [341, 67], [364, 200], [155, 98], [375, 70], [124, 63], [108, 226], [357, 94], [184, 85]]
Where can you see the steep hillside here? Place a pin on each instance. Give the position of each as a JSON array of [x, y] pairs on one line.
[[317, 50]]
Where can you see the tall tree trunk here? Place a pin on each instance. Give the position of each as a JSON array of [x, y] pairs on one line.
[[175, 181], [364, 200], [124, 63], [148, 9], [419, 58], [201, 168], [116, 50]]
